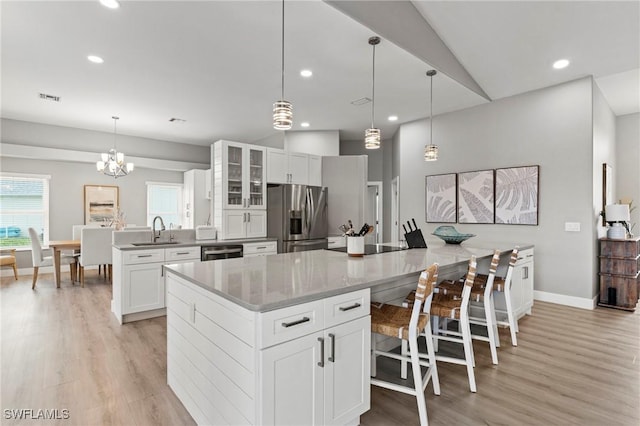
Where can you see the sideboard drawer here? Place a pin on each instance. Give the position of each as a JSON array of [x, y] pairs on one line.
[[617, 266]]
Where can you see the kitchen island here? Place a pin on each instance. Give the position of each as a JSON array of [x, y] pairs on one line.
[[285, 339]]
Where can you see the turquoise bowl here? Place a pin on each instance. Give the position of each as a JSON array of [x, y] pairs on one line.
[[450, 235]]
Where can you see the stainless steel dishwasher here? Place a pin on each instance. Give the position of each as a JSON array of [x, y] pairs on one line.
[[214, 252]]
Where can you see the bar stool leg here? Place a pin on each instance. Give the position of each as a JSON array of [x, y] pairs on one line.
[[468, 354], [513, 324], [491, 330], [417, 380]]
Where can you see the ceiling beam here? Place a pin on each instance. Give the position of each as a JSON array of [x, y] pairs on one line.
[[403, 25]]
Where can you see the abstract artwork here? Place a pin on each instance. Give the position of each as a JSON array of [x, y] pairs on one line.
[[517, 195], [100, 203], [440, 198], [475, 197]]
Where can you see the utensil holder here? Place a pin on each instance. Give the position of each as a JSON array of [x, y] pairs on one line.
[[355, 246]]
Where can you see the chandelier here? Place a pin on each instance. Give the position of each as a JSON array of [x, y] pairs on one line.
[[112, 163], [282, 110], [372, 136], [431, 150]]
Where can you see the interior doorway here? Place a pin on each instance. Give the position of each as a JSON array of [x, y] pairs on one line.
[[395, 209], [373, 212]]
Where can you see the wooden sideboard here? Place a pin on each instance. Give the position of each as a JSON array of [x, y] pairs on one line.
[[619, 273]]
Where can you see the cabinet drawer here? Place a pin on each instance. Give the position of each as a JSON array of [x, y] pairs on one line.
[[290, 323], [524, 256], [620, 248], [616, 266], [182, 253], [143, 256], [346, 307], [267, 247]]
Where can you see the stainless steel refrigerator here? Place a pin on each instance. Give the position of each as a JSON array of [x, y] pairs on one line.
[[297, 217]]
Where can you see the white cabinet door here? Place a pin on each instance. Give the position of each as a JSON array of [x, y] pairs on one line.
[[347, 371], [292, 384], [255, 177], [256, 225], [522, 283], [315, 170], [259, 249], [234, 169], [143, 288], [208, 182], [233, 224], [298, 168], [277, 166]]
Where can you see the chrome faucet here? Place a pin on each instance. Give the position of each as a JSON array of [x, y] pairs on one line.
[[155, 237]]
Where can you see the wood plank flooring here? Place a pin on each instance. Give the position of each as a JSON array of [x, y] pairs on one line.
[[62, 349]]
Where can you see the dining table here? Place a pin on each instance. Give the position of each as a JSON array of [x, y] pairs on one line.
[[57, 247]]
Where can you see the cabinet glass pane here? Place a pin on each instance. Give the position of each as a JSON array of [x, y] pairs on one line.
[[234, 178], [256, 176]]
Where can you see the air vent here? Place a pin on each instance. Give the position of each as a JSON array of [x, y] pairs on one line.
[[49, 97], [361, 101], [177, 120]]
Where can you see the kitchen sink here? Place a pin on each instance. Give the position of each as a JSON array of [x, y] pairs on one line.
[[155, 243]]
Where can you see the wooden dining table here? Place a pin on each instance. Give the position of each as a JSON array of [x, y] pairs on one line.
[[57, 247]]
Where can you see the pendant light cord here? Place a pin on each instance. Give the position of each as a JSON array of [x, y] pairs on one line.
[[431, 111], [282, 68], [373, 87]]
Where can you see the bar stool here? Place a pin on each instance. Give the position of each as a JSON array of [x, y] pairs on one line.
[[8, 258], [449, 306], [481, 291], [503, 284], [407, 324]]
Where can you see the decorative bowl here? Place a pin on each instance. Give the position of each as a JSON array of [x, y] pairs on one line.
[[450, 235]]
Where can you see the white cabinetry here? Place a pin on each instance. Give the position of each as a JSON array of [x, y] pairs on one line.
[[139, 282], [293, 167], [239, 190], [196, 206], [334, 242], [259, 249], [304, 364]]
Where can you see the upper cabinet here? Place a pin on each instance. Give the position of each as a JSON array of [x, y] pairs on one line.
[[293, 167], [239, 175]]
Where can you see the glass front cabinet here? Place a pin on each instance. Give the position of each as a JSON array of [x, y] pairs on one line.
[[243, 176]]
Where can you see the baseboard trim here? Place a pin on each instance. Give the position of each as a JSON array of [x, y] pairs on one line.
[[561, 299]]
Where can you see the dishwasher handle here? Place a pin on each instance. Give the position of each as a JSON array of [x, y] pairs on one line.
[[222, 251]]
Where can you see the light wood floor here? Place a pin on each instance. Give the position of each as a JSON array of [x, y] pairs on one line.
[[62, 349]]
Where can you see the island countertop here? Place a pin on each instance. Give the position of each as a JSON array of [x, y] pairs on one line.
[[266, 283]]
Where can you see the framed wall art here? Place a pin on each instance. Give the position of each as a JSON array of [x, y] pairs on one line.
[[517, 195], [475, 197], [100, 203], [440, 198]]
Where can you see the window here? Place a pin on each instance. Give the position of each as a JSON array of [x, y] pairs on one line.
[[24, 204], [164, 200]]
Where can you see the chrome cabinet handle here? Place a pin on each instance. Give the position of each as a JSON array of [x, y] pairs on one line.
[[143, 255], [348, 308], [292, 323], [182, 253], [332, 357], [321, 362]]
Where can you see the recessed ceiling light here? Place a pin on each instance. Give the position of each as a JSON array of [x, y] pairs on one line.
[[306, 73], [304, 124], [561, 63], [111, 4], [95, 59], [393, 118]]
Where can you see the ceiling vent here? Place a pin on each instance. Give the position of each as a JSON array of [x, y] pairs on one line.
[[361, 101], [177, 120], [49, 97]]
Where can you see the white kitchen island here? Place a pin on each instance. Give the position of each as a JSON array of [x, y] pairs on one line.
[[285, 339]]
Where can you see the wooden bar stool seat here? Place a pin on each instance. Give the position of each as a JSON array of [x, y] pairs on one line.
[[8, 258]]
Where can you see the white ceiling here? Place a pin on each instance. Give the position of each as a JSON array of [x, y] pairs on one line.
[[216, 64]]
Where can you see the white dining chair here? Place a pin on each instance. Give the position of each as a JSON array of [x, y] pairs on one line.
[[40, 260], [95, 250]]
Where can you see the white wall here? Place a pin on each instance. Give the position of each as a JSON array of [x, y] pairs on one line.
[[552, 128], [321, 142], [627, 169]]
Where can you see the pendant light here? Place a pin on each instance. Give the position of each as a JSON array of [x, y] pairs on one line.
[[372, 136], [112, 163], [431, 150], [282, 110]]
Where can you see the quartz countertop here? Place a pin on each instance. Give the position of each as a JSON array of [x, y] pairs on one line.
[[271, 282]]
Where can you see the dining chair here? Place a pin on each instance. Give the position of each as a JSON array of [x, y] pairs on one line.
[[407, 324], [8, 258], [40, 260], [95, 250]]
